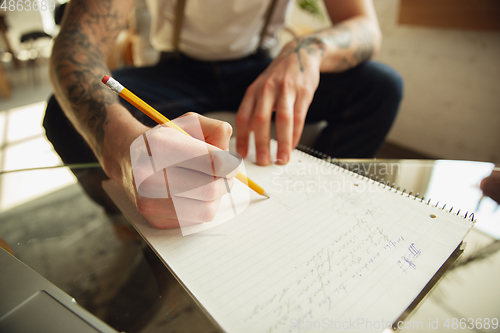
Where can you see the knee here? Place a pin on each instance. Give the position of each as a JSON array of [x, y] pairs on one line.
[[53, 105], [387, 83], [386, 91], [67, 142], [52, 112]]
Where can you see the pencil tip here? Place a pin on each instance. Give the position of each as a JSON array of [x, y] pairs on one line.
[[266, 195], [105, 79]]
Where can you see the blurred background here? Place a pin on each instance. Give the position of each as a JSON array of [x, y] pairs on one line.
[[447, 52]]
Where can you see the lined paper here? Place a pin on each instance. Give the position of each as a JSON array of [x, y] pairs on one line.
[[329, 251]]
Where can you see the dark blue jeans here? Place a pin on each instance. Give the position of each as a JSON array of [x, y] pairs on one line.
[[359, 105]]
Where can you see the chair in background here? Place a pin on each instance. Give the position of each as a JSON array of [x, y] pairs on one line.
[[29, 41], [5, 90]]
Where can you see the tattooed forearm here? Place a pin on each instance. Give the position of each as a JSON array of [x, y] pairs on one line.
[[341, 35], [362, 52], [310, 44], [366, 46], [362, 49], [78, 63], [343, 65], [341, 47], [78, 66]]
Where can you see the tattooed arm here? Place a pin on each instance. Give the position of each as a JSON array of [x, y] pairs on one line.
[[354, 38], [77, 66], [88, 32], [288, 85]]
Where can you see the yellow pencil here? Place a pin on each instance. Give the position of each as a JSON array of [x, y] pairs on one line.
[[161, 119]]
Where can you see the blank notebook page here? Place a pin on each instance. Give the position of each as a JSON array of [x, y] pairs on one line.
[[329, 250]]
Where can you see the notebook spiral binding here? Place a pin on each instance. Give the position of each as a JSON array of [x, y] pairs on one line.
[[347, 168]]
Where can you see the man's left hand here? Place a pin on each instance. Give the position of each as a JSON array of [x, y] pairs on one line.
[[286, 87]]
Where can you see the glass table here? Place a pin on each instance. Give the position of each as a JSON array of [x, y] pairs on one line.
[[93, 254]]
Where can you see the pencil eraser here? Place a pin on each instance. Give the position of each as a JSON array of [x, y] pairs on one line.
[[105, 79]]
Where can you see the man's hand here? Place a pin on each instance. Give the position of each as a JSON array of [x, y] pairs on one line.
[[289, 83], [286, 87], [180, 187]]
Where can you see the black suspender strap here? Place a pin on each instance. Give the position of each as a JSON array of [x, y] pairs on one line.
[[179, 18]]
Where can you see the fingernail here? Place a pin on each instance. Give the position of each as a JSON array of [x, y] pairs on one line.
[[283, 158]]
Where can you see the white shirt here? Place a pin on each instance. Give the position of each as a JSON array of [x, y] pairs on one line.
[[217, 29]]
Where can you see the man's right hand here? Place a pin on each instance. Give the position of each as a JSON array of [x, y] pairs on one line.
[[77, 65], [193, 192]]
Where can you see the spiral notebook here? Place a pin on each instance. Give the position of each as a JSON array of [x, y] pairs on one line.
[[331, 250]]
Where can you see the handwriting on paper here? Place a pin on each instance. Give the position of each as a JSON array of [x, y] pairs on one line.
[[330, 273], [408, 260]]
